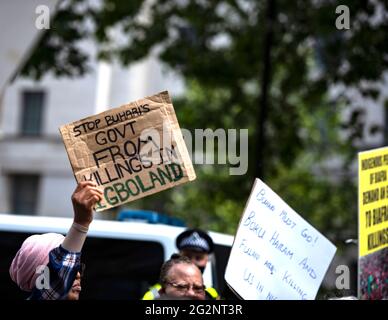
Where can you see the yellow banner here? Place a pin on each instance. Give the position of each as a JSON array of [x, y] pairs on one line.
[[373, 200]]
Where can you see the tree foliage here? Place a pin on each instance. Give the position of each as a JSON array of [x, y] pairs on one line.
[[217, 46]]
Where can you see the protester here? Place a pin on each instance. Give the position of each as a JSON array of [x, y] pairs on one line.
[[61, 255], [196, 245], [181, 279], [75, 289]]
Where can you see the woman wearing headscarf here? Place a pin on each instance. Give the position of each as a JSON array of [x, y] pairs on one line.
[[47, 265]]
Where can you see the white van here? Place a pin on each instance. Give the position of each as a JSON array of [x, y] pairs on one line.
[[123, 258]]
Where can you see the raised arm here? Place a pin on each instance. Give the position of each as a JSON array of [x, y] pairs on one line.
[[65, 260]]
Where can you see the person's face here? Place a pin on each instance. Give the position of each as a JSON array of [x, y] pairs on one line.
[[200, 259], [75, 289], [184, 281]]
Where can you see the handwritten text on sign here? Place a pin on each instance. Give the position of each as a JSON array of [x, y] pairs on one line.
[[131, 151], [276, 254]]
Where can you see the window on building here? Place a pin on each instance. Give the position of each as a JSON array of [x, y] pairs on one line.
[[32, 112], [24, 193]]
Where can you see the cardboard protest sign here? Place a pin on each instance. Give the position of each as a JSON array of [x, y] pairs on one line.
[[373, 224], [276, 254], [131, 151]]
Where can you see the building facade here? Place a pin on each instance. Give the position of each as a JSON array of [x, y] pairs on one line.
[[35, 173]]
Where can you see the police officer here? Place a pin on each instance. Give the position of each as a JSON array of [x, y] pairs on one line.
[[197, 245]]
